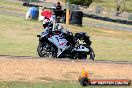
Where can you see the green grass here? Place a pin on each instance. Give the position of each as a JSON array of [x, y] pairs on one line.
[[95, 21], [110, 4], [109, 44], [116, 41], [12, 6], [51, 85], [18, 38]]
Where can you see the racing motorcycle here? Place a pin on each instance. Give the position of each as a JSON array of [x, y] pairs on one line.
[[60, 43]]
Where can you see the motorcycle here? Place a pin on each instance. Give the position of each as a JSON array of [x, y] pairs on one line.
[[60, 43]]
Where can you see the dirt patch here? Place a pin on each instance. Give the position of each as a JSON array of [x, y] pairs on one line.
[[46, 70]]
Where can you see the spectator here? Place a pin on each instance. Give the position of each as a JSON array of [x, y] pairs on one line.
[[32, 13], [47, 13], [58, 7]]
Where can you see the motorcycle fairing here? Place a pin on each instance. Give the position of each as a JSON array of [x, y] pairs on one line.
[[81, 48], [59, 42], [84, 36]]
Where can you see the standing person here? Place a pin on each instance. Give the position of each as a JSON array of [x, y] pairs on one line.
[[58, 7], [58, 13], [46, 13]]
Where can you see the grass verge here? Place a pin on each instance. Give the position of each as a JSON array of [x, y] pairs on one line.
[[51, 85], [95, 21], [12, 6], [111, 4], [18, 37]]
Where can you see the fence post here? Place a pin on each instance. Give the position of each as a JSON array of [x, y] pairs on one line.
[[40, 17], [67, 12]]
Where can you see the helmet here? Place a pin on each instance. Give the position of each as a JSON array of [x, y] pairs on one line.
[[47, 22], [58, 27]]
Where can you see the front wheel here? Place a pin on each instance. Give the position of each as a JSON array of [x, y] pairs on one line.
[[39, 50], [46, 50]]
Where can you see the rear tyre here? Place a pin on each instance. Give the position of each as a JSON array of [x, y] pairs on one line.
[[84, 81], [77, 13], [83, 56], [79, 55], [91, 53], [76, 17]]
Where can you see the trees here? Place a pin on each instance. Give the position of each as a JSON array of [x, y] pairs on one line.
[[119, 3]]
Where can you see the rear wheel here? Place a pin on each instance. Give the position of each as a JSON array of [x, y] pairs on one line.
[[79, 55], [91, 53], [84, 81], [76, 17], [82, 56]]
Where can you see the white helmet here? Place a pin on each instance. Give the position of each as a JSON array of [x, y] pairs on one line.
[[58, 27]]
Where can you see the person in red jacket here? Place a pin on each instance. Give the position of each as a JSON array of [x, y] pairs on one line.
[[47, 13], [48, 17]]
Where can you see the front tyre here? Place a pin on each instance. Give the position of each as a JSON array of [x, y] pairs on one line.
[[39, 50], [46, 50]]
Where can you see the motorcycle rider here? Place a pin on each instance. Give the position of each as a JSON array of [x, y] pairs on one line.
[[68, 35], [49, 21]]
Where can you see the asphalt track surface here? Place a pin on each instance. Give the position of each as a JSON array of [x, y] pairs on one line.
[[67, 59]]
